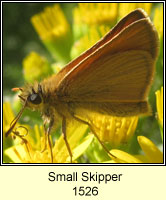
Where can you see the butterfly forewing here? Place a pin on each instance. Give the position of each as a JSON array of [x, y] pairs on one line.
[[123, 65], [115, 72], [127, 20]]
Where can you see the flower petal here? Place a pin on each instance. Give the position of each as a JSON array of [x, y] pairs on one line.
[[81, 148], [152, 152], [123, 157]]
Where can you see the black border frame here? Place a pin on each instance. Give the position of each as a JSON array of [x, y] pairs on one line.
[[81, 164]]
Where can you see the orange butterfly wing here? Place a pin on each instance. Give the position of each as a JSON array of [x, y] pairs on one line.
[[115, 76], [127, 20], [103, 64]]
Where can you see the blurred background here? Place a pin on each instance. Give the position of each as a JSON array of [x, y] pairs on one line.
[[20, 38]]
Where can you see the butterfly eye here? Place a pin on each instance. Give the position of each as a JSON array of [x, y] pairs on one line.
[[34, 98]]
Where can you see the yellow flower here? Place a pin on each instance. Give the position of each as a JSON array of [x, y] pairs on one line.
[[28, 152], [115, 130], [35, 67], [159, 105], [8, 117], [151, 151], [125, 8], [95, 13], [88, 15], [75, 132], [158, 20], [27, 149], [51, 23], [54, 31]]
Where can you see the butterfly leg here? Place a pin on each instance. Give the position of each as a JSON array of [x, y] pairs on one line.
[[93, 131], [47, 138], [65, 137]]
